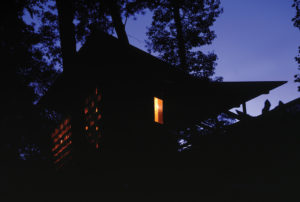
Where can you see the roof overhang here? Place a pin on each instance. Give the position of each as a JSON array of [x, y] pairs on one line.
[[104, 58]]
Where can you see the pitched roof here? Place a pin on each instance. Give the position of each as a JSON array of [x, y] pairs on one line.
[[104, 57]]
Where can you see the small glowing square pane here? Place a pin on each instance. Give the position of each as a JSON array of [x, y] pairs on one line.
[[158, 110]]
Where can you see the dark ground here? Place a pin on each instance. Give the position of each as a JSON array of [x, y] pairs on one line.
[[202, 177]]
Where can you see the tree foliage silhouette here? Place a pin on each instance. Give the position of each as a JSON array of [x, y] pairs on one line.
[[296, 21], [106, 15], [67, 23], [103, 14], [179, 29], [23, 65]]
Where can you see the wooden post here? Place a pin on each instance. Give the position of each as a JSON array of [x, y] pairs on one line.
[[244, 108]]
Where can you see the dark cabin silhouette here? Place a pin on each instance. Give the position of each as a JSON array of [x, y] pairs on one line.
[[120, 100]]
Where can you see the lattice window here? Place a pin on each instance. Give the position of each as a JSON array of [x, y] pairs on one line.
[[93, 118], [61, 138]]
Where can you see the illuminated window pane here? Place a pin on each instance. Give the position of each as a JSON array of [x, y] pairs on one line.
[[93, 119], [158, 110], [61, 143]]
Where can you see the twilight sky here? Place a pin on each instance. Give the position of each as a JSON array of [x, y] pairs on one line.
[[256, 41]]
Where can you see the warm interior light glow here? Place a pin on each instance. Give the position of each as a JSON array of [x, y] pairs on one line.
[[61, 142], [158, 110], [66, 122], [93, 118]]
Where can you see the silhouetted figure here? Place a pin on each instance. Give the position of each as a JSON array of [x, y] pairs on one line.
[[266, 107]]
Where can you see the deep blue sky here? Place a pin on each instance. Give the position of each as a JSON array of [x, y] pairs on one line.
[[256, 41]]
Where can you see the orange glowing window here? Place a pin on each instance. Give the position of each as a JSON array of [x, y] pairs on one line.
[[158, 110], [93, 118], [62, 143]]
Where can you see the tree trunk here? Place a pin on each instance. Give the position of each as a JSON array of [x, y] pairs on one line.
[[179, 36], [65, 10], [115, 13]]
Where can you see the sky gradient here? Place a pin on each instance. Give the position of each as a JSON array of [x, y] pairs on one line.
[[256, 41]]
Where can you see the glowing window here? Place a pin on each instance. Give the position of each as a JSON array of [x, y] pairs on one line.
[[93, 118], [62, 143], [158, 110]]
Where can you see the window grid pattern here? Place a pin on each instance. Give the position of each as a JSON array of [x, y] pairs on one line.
[[61, 138], [93, 118]]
